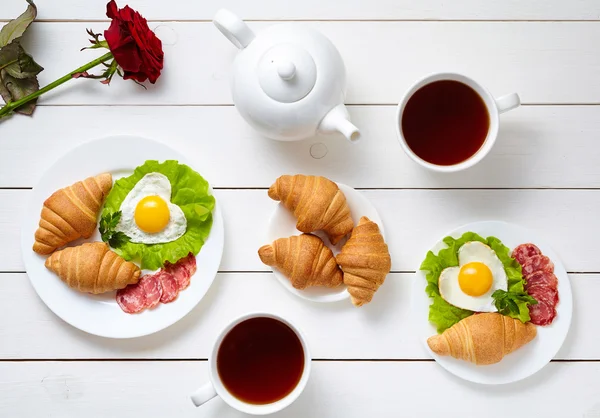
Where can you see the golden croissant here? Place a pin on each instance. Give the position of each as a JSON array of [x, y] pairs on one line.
[[93, 268], [316, 202], [483, 338], [71, 213], [365, 261], [304, 259]]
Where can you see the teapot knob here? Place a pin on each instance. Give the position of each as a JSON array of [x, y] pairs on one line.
[[286, 70]]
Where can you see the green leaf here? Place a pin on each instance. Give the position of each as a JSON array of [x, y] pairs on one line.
[[17, 62], [190, 191], [118, 239], [513, 304], [14, 89], [444, 315], [201, 211], [9, 55], [17, 27], [512, 307], [108, 223]]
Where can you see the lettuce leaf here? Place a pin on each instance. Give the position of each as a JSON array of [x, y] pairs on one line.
[[442, 314], [516, 282], [190, 191]]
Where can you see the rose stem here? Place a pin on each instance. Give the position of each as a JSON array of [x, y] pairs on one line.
[[9, 107]]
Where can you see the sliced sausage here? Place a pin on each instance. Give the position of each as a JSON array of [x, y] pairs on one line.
[[170, 289], [541, 277], [132, 299], [152, 288], [537, 263], [524, 251]]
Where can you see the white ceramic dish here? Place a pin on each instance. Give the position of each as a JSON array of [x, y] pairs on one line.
[[100, 314], [215, 386], [528, 359], [283, 224]]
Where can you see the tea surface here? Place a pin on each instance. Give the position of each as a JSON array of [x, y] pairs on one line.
[[445, 122], [260, 361]]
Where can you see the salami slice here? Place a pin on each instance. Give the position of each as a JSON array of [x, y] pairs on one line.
[[132, 299], [543, 293], [542, 277], [183, 277], [170, 289], [153, 289], [541, 314], [183, 270], [537, 263], [524, 251], [190, 264]]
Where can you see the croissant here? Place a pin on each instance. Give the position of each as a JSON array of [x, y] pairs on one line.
[[93, 267], [304, 259], [365, 261], [71, 213], [483, 338], [317, 203]]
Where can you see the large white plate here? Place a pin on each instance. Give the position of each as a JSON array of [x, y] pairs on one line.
[[283, 224], [526, 360], [100, 314]]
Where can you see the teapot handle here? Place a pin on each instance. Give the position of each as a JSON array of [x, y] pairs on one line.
[[234, 28]]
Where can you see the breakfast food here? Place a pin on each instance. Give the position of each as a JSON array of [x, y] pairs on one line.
[[541, 282], [71, 213], [147, 214], [92, 267], [474, 274], [304, 259], [162, 286], [159, 214], [316, 202], [365, 261], [479, 274], [483, 339]]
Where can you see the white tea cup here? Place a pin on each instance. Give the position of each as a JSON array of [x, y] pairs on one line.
[[215, 386], [494, 108]]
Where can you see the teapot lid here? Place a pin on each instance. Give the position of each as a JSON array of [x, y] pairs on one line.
[[286, 73]]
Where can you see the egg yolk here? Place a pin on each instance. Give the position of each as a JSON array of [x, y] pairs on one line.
[[475, 278], [152, 214]]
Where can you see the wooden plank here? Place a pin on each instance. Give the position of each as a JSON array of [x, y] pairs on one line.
[[380, 330], [539, 146], [414, 220], [548, 62], [356, 389], [315, 9]]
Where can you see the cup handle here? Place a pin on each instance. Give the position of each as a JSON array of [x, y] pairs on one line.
[[508, 102], [234, 28], [204, 394]]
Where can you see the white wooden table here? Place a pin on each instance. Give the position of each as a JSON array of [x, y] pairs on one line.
[[544, 173]]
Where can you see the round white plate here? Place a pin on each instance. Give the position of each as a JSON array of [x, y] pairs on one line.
[[526, 360], [283, 224], [100, 314]]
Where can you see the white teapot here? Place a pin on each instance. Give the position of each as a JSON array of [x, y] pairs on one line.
[[288, 82]]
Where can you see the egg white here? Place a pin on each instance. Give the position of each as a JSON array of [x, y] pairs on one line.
[[152, 184], [448, 282]]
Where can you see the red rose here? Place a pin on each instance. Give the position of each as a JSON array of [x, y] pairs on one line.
[[135, 47]]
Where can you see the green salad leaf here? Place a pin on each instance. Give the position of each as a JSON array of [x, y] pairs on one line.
[[442, 314], [107, 229], [512, 304], [190, 191]]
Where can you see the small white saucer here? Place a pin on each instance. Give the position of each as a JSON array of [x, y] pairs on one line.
[[283, 224]]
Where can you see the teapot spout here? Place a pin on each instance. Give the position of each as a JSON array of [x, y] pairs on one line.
[[338, 120]]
